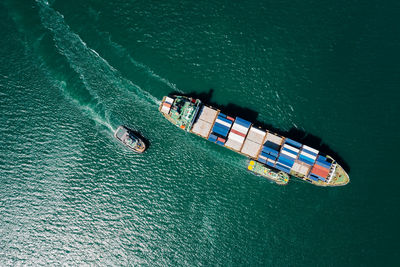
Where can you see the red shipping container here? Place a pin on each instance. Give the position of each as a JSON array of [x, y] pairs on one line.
[[230, 118], [321, 171], [221, 139], [238, 133], [167, 105]]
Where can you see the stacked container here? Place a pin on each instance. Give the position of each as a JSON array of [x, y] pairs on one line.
[[288, 155], [253, 142], [308, 155], [166, 106], [238, 134], [203, 124], [321, 169], [221, 129], [270, 149]]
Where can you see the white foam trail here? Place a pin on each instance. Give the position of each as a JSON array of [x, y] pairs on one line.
[[86, 108], [94, 70]]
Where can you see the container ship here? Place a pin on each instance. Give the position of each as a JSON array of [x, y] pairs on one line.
[[270, 155]]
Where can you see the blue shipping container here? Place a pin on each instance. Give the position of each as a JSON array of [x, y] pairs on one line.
[[270, 151], [286, 157], [306, 159], [290, 151], [268, 156], [313, 178], [309, 152], [243, 122], [212, 138], [321, 158], [270, 164], [282, 168], [324, 164], [219, 143], [262, 160], [226, 120], [293, 143], [222, 115], [286, 161], [223, 131]]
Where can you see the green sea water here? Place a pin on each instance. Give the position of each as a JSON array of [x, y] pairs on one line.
[[325, 73]]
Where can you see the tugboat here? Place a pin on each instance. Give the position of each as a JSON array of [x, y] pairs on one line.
[[129, 139]]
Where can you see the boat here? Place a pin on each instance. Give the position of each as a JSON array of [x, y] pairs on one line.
[[130, 139], [270, 155]]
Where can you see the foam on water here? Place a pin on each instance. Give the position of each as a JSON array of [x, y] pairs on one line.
[[94, 70]]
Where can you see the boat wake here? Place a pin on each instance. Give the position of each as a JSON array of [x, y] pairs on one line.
[[98, 76]]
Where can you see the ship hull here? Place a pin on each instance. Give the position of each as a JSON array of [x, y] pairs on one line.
[[272, 155]]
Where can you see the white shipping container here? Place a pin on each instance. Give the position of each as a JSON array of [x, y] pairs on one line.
[[207, 114], [223, 123], [293, 156], [274, 139], [308, 155], [310, 149], [236, 137], [256, 135], [250, 148], [291, 148], [169, 100], [240, 128], [233, 144]]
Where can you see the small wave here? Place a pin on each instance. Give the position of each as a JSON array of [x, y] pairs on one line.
[[142, 66]]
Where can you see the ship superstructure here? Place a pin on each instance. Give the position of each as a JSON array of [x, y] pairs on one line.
[[272, 156]]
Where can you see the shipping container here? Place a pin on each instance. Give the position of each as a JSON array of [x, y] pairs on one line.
[[243, 122], [256, 135], [212, 138], [324, 164], [201, 128], [220, 131], [262, 160], [321, 158], [238, 133], [289, 163], [282, 167], [309, 152], [283, 152], [310, 149], [313, 157], [250, 148], [306, 159], [272, 145], [323, 172], [292, 142], [235, 145], [291, 148], [223, 122], [236, 137], [277, 140], [270, 164], [221, 115], [221, 139], [169, 100], [219, 143], [239, 128]]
